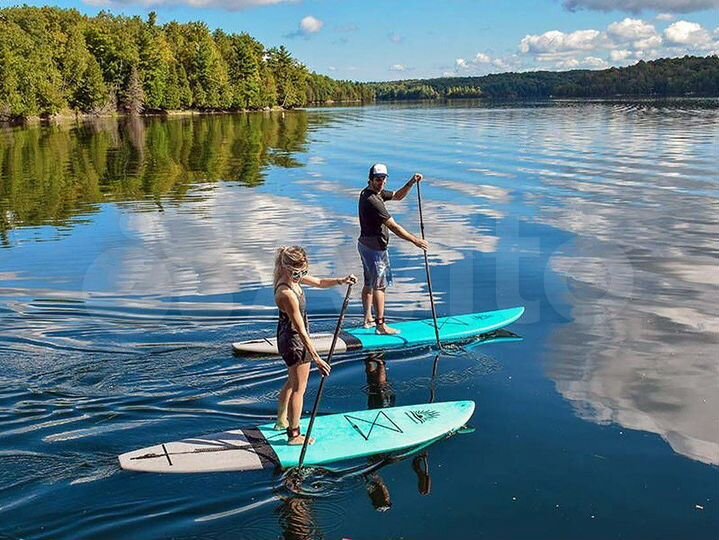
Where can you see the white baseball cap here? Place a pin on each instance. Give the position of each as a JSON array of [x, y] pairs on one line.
[[378, 169]]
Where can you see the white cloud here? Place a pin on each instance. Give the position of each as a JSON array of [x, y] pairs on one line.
[[501, 64], [630, 38], [229, 5], [461, 63], [689, 34], [641, 35], [571, 63], [636, 6], [631, 30], [310, 25], [555, 42], [331, 68], [397, 67], [483, 63], [665, 17], [592, 62], [395, 38], [621, 43], [589, 62], [618, 55]]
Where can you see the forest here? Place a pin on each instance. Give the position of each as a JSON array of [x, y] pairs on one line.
[[667, 77], [55, 61]]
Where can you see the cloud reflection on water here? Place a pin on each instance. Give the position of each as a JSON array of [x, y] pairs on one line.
[[642, 284]]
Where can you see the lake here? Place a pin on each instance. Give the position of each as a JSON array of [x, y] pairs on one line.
[[133, 252]]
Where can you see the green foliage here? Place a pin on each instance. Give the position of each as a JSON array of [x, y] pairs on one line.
[[157, 67], [52, 58], [322, 89], [54, 176], [289, 76], [133, 95], [243, 56], [661, 78], [30, 81]]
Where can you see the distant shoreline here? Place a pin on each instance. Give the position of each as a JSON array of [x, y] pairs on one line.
[[65, 118]]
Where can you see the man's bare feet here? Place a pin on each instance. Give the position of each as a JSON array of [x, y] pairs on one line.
[[368, 323], [282, 424]]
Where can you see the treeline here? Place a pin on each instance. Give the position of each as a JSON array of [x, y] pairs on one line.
[[669, 77], [54, 60]]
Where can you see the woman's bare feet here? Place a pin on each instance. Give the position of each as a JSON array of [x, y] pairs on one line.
[[294, 437], [300, 439], [383, 329], [368, 323], [281, 424]]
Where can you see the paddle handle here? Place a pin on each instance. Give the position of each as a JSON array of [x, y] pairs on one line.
[[316, 406], [426, 267]]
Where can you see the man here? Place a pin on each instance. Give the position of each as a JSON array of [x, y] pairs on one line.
[[375, 222]]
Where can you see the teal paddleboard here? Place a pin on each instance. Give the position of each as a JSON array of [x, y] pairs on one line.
[[338, 437], [412, 334]]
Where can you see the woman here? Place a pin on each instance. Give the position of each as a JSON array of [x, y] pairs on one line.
[[293, 339]]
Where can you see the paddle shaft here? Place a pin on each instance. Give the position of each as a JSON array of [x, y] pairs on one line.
[[426, 267], [316, 406]]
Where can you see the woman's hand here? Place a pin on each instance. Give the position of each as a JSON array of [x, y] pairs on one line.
[[323, 366], [347, 280]]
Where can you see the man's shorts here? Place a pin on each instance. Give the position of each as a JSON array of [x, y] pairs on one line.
[[377, 270]]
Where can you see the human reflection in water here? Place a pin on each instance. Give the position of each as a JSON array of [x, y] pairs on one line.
[[420, 464], [296, 513], [297, 518], [380, 394]]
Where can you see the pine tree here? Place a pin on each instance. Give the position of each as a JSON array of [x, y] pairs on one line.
[[133, 98]]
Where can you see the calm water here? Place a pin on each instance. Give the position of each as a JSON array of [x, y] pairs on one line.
[[133, 253]]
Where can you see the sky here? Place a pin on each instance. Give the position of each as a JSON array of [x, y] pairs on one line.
[[378, 40]]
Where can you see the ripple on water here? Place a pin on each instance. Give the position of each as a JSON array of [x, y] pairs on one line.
[[115, 332]]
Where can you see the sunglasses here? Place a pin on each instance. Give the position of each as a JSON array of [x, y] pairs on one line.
[[298, 274], [380, 177]]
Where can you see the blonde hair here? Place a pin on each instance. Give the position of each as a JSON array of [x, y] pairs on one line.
[[293, 257]]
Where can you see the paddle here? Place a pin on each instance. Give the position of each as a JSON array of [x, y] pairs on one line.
[[426, 267], [322, 382]]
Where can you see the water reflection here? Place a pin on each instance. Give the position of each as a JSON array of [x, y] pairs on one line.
[[641, 278], [297, 519], [134, 253], [53, 175]]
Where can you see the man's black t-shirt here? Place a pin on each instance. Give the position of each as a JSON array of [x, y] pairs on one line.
[[372, 217]]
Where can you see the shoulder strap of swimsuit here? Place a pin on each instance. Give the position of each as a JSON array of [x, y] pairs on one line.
[[290, 287], [280, 285]]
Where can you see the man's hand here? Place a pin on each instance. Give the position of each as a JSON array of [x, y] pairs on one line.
[[323, 366], [417, 178], [421, 243]]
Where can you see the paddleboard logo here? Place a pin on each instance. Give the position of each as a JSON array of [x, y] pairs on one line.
[[422, 416]]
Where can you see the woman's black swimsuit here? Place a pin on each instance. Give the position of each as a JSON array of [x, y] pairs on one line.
[[289, 342]]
